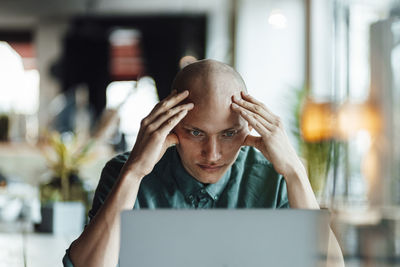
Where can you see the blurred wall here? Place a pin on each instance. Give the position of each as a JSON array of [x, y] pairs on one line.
[[48, 40], [270, 57], [270, 52]]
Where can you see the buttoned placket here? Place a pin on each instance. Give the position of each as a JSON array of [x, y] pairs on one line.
[[203, 199]]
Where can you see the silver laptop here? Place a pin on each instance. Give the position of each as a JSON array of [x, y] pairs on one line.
[[223, 238]]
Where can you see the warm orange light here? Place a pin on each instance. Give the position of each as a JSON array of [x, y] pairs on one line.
[[353, 117], [317, 121]]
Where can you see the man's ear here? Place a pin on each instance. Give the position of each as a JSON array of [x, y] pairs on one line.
[[174, 129], [172, 138]]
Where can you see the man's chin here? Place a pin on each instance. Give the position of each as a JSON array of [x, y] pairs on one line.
[[209, 177], [208, 180]]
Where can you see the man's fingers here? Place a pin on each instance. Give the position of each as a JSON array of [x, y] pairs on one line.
[[167, 115], [255, 123], [245, 113], [250, 103], [171, 101], [251, 99], [168, 125], [252, 140]]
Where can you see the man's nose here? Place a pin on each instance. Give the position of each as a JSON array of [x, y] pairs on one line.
[[211, 150]]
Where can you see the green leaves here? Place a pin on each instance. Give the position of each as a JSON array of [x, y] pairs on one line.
[[65, 154]]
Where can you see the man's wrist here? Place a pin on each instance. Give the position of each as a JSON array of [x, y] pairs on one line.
[[300, 192], [295, 172], [132, 173]]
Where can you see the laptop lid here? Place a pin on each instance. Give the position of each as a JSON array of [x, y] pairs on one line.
[[216, 237]]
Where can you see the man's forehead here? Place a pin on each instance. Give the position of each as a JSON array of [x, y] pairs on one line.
[[212, 119], [213, 97]]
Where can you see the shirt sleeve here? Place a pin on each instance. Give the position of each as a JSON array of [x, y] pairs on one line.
[[283, 201], [66, 260], [109, 176]]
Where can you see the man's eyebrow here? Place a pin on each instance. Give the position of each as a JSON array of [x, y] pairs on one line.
[[235, 127]]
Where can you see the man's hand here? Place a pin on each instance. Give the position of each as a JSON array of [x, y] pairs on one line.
[[273, 141], [155, 135]]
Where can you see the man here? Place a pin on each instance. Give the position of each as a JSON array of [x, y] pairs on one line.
[[194, 150]]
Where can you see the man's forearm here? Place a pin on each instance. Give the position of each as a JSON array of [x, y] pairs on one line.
[[98, 245]]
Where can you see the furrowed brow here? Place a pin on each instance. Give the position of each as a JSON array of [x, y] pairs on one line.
[[193, 128], [233, 128], [237, 128]]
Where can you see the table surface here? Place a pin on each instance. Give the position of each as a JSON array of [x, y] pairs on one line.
[[47, 250], [33, 249]]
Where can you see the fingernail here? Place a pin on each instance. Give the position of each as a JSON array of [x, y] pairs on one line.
[[190, 105], [235, 105]]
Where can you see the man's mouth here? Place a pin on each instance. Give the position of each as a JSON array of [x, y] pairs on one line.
[[210, 168]]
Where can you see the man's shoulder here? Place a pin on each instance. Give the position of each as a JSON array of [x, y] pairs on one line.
[[249, 155], [252, 164], [115, 164], [112, 169], [260, 185], [118, 161]]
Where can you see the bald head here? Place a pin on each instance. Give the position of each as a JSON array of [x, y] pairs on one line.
[[209, 81]]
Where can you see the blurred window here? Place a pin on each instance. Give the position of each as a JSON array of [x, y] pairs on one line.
[[134, 101], [19, 78], [133, 95], [126, 62]]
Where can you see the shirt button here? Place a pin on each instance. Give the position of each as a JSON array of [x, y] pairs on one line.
[[216, 197], [203, 191], [191, 197]]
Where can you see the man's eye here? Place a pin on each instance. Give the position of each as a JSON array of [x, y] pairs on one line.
[[195, 133], [229, 133]]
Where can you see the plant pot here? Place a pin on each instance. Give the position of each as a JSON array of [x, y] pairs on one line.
[[4, 127], [53, 192], [62, 218]]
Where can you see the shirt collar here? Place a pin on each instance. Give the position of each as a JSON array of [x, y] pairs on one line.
[[190, 187]]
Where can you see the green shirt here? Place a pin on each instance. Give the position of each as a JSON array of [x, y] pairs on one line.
[[251, 182]]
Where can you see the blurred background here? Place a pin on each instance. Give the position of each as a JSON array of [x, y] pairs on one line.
[[76, 78]]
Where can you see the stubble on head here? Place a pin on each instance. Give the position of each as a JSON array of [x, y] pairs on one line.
[[209, 82]]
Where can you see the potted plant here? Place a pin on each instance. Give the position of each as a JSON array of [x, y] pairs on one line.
[[64, 196], [4, 127]]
